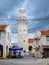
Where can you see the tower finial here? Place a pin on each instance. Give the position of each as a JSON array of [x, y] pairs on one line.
[[22, 12]]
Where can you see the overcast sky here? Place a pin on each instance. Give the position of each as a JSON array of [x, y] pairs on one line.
[[34, 9]]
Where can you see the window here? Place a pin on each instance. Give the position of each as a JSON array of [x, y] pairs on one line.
[[24, 29], [20, 29], [0, 34], [23, 40], [9, 37], [47, 38]]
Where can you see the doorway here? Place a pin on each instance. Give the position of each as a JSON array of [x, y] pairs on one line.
[[1, 50], [46, 52]]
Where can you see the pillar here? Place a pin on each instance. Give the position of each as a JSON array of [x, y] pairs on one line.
[[4, 51]]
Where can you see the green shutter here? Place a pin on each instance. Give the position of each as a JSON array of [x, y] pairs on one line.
[[47, 38]]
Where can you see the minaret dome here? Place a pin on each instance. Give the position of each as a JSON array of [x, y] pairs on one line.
[[21, 12]]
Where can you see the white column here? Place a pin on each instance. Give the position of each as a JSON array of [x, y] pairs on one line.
[[4, 50], [4, 46]]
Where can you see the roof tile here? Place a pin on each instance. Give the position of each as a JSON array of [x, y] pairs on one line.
[[2, 27]]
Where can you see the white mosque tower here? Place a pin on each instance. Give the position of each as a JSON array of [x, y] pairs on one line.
[[22, 30]]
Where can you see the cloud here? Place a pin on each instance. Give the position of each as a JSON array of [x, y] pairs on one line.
[[8, 8], [34, 9], [8, 5], [14, 38], [37, 8], [30, 36]]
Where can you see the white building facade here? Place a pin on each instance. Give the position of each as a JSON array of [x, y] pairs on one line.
[[5, 40], [42, 42]]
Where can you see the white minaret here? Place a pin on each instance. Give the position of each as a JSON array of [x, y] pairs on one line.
[[22, 30]]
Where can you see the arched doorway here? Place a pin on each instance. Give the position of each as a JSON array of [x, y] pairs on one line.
[[30, 48], [1, 50]]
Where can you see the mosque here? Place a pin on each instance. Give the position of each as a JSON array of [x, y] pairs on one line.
[[5, 34]]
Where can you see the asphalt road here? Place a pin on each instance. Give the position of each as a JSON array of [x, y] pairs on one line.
[[31, 61]]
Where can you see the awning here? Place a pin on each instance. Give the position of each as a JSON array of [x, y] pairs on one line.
[[15, 48]]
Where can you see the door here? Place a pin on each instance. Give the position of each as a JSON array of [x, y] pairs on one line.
[[46, 52], [1, 50]]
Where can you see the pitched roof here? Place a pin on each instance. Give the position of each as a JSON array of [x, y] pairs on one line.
[[44, 32], [2, 27], [30, 40]]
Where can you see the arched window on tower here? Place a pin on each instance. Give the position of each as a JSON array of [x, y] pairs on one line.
[[24, 29], [23, 40], [20, 29]]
